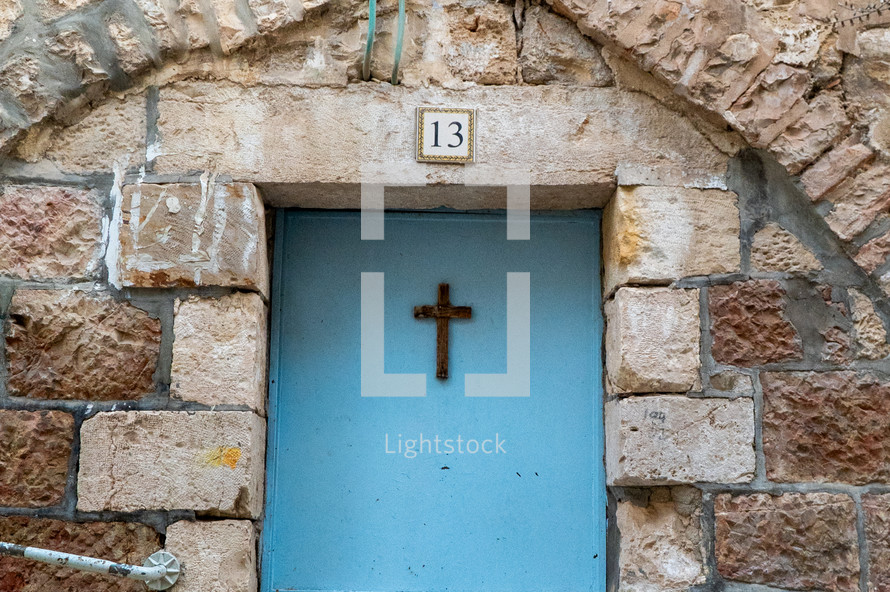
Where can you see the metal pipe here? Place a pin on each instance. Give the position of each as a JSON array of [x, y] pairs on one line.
[[161, 569], [369, 44], [400, 33]]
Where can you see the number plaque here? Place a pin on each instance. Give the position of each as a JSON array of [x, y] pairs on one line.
[[446, 134]]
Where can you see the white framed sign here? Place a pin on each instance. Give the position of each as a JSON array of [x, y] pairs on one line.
[[446, 134]]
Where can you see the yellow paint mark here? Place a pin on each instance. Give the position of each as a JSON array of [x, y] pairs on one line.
[[223, 455]]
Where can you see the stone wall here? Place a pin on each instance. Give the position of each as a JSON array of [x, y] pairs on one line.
[[747, 311]]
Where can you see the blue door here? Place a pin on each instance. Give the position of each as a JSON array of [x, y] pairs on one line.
[[383, 476]]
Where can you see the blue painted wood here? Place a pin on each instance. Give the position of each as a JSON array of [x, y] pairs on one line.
[[342, 511]]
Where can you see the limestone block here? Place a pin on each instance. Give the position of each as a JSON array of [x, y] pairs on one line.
[[274, 14], [71, 44], [871, 336], [207, 461], [652, 340], [660, 546], [573, 138], [9, 12], [482, 43], [859, 200], [218, 556], [876, 508], [826, 427], [122, 542], [555, 52], [668, 439], [797, 541], [803, 141], [748, 324], [776, 249], [219, 352], [873, 254], [49, 232], [34, 450], [69, 344], [835, 166], [772, 103], [659, 234], [111, 132], [190, 235]]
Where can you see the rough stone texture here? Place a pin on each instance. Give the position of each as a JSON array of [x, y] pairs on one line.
[[794, 541], [10, 10], [858, 200], [661, 543], [658, 234], [112, 131], [874, 253], [774, 101], [49, 232], [211, 234], [68, 344], [826, 427], [482, 44], [207, 461], [555, 52], [876, 508], [123, 542], [732, 383], [580, 137], [838, 164], [217, 556], [803, 141], [34, 451], [665, 439], [219, 352], [871, 337], [776, 249], [652, 340], [748, 325]]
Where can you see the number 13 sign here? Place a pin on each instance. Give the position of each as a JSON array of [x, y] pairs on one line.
[[446, 134]]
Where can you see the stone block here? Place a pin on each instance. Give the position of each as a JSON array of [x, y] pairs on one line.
[[207, 461], [123, 542], [797, 541], [659, 234], [874, 253], [837, 165], [50, 233], [748, 324], [803, 141], [776, 249], [652, 340], [876, 508], [771, 104], [482, 43], [218, 556], [113, 131], [826, 427], [191, 235], [555, 52], [666, 439], [34, 450], [219, 352], [258, 133], [858, 200], [9, 12], [68, 344], [871, 336], [660, 545]]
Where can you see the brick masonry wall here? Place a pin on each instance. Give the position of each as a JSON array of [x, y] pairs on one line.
[[747, 371], [132, 398], [747, 312]]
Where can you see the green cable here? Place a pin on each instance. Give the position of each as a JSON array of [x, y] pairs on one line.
[[398, 54], [372, 19]]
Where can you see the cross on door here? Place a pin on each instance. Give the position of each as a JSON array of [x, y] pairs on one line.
[[442, 311]]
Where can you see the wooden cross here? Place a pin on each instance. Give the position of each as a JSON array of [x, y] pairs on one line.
[[442, 311]]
